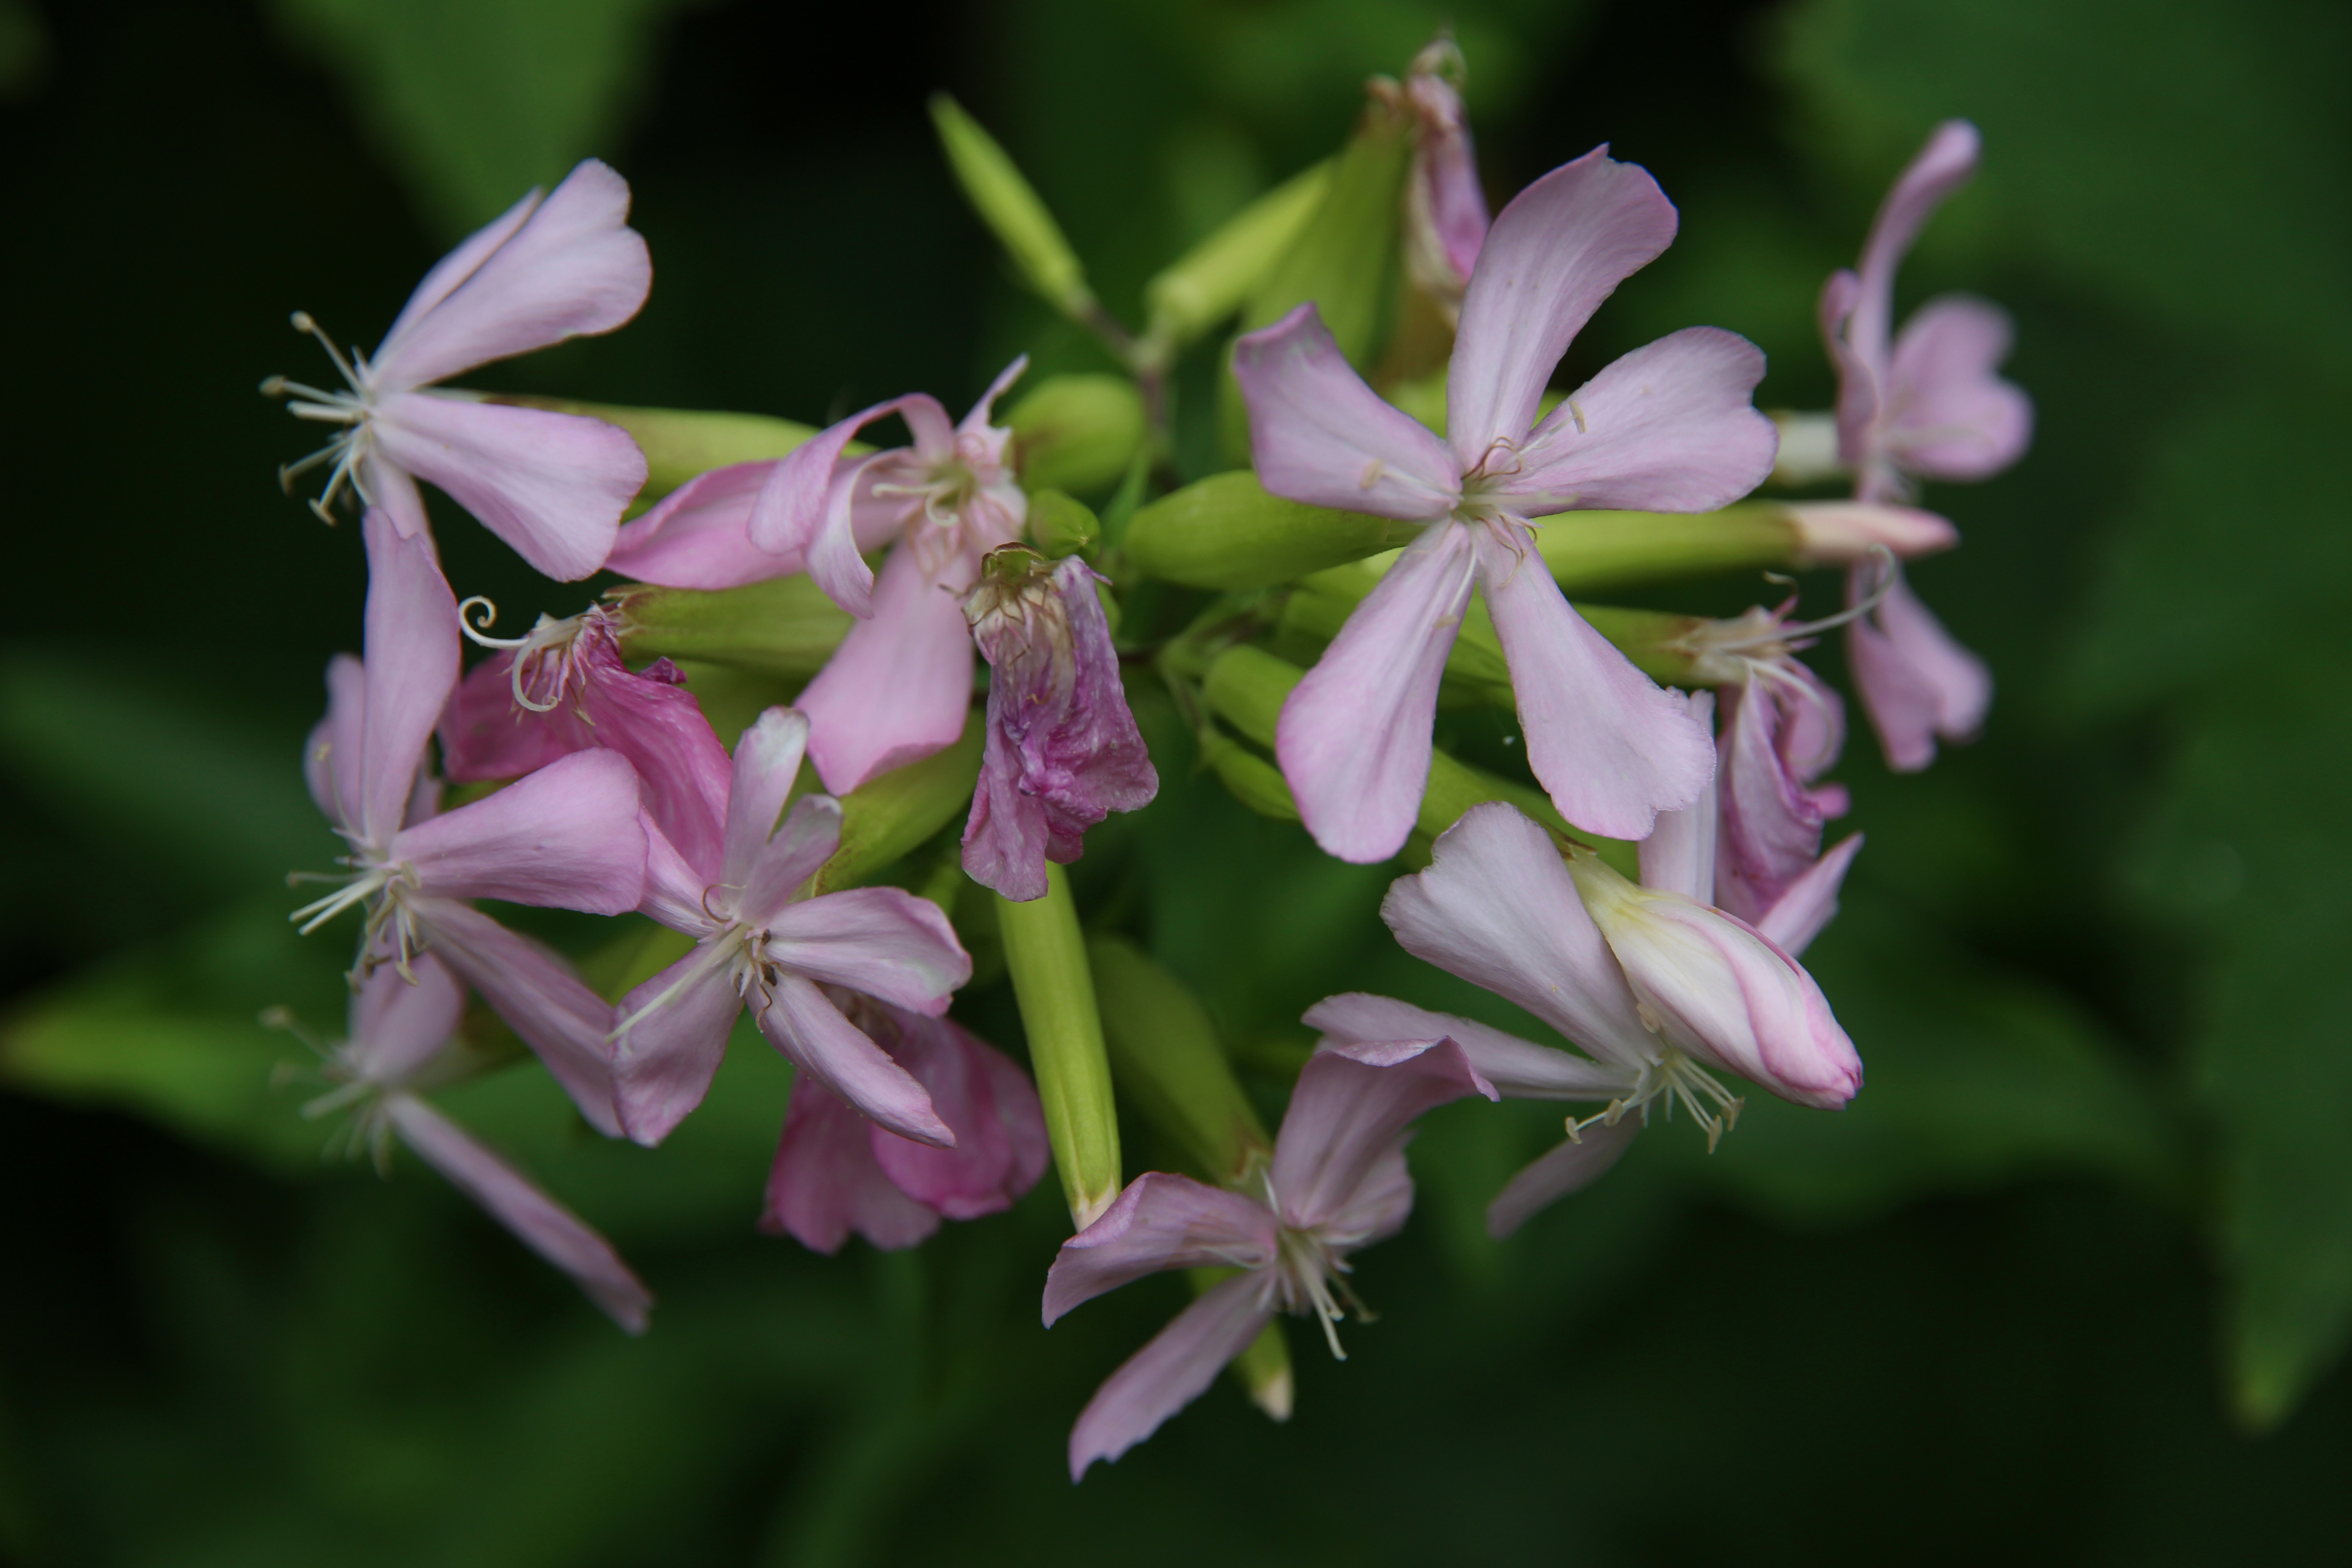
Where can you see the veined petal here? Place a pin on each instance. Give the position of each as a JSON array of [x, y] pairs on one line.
[[1916, 682], [411, 666], [486, 735], [538, 997], [1354, 738], [552, 484], [1169, 1373], [1607, 743], [1810, 901], [900, 687], [810, 1031], [399, 1022], [1948, 415], [1353, 1105], [767, 761], [699, 535], [656, 725], [987, 1102], [461, 264], [677, 895], [1517, 1068], [538, 1221], [1560, 248], [1668, 427], [826, 1181], [670, 1037], [1319, 435], [572, 267], [1498, 907], [331, 755], [1570, 1168], [884, 941], [805, 840], [1160, 1222], [568, 836]]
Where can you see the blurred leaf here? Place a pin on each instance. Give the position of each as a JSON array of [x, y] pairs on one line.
[[24, 51]]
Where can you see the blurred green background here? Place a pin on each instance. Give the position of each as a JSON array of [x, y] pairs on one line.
[[2065, 1284]]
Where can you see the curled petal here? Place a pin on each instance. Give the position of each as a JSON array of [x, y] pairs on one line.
[[1160, 1222], [1168, 1373], [1570, 1168], [826, 1183], [987, 1101], [1771, 820], [1942, 166], [1352, 1106], [801, 504], [700, 536], [1517, 1068], [900, 687], [1319, 435]]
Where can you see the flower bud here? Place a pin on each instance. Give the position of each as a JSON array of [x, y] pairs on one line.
[[1076, 432], [1839, 534], [1012, 210], [1055, 990], [1209, 282], [1165, 1055], [784, 627], [893, 813], [1225, 532]]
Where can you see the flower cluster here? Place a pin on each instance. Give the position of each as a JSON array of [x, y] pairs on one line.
[[1406, 548]]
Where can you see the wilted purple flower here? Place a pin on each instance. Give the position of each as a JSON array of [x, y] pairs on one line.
[[836, 1171], [1336, 1182], [1445, 218], [401, 1027], [1062, 751], [552, 484], [761, 942], [1667, 428], [569, 836]]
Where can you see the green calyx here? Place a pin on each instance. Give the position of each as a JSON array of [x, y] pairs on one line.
[[783, 627], [1226, 532], [1012, 210], [1054, 984], [1075, 432], [887, 817], [1168, 1063]]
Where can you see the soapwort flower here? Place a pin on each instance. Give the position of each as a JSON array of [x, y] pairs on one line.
[[1062, 749], [403, 1034], [836, 1171], [569, 836], [1336, 1182], [1667, 428], [552, 484], [761, 942]]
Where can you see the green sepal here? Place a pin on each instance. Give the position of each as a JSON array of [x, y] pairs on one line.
[[681, 443], [1054, 984], [1588, 550], [1225, 532], [1060, 524], [1250, 778], [784, 627], [1211, 281], [887, 817], [1076, 432], [1012, 210], [1166, 1060]]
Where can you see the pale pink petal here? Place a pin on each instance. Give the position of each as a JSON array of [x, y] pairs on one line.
[[1679, 853], [677, 895], [1668, 427], [767, 761], [976, 422], [1498, 907], [1446, 209], [1160, 1222], [826, 1181], [794, 505], [538, 1221], [537, 994], [1560, 248], [1354, 739], [552, 484], [884, 941], [699, 535], [462, 263], [1319, 435], [568, 836], [1917, 683], [1771, 820], [411, 666], [1857, 402], [1942, 166], [392, 488], [1570, 1168], [669, 1036], [987, 1102], [1949, 416], [1517, 1068], [1606, 742], [1351, 1106], [399, 1022], [900, 687], [331, 755], [1812, 901], [811, 1032], [805, 840], [1843, 532], [574, 267], [1168, 1373]]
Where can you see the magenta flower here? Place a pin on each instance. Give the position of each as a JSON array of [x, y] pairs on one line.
[[836, 1171], [552, 484], [563, 688], [1660, 989], [761, 942], [1929, 404], [1062, 749], [1667, 428], [401, 1025], [568, 837], [1445, 219], [1336, 1182]]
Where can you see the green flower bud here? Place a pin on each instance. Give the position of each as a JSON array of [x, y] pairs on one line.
[[1012, 209], [680, 443], [1226, 532], [1061, 524], [1165, 1057], [1055, 987], [1587, 550], [886, 817], [1252, 780], [783, 627], [1209, 281], [1076, 432]]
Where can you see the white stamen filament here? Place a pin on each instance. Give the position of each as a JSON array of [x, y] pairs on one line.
[[351, 409], [1670, 1077]]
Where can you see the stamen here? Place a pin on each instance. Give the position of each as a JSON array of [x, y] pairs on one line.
[[474, 630]]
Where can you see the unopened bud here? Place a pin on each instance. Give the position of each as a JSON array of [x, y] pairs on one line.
[[1012, 210], [1055, 988], [889, 816], [1166, 1058], [1060, 524], [1076, 432], [1226, 532], [784, 627], [1209, 281], [1839, 533]]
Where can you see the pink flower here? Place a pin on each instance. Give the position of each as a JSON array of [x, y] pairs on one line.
[[761, 942], [1062, 749], [401, 1028], [836, 1171], [563, 688], [569, 836], [552, 484], [1336, 1182], [1667, 428], [1659, 989], [1445, 219]]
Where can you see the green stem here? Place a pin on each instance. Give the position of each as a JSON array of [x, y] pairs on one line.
[[1055, 986]]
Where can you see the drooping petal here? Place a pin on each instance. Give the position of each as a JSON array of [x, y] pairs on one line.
[[1942, 166], [331, 755], [1319, 435], [1570, 1168], [900, 687], [700, 536], [1668, 427], [805, 840], [884, 941], [399, 1022], [1168, 1373], [826, 1181], [537, 994], [538, 1221], [1916, 682], [1354, 739], [1517, 1068], [572, 267], [1353, 1105], [1560, 248], [767, 761], [1498, 907], [1607, 743], [1160, 1222], [1812, 901], [810, 1030], [987, 1102], [1948, 415], [568, 836], [552, 484], [976, 422], [411, 666], [669, 1035]]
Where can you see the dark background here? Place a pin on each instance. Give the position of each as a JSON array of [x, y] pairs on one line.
[[2088, 1232]]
